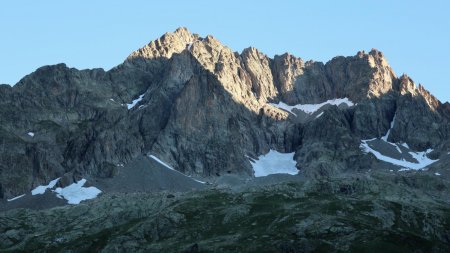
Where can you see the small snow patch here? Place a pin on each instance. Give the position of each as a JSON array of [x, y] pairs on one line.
[[42, 188], [274, 163], [111, 99], [198, 181], [31, 134], [320, 114], [75, 193], [161, 162], [170, 168], [132, 104], [385, 138], [18, 197], [437, 174], [311, 108]]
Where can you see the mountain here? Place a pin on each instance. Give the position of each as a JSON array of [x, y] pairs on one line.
[[187, 113], [204, 109]]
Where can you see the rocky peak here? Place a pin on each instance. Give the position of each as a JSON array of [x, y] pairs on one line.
[[383, 77], [376, 58], [290, 59], [376, 53], [431, 100], [286, 69], [247, 77], [168, 44], [361, 76], [407, 86], [258, 67], [211, 53], [252, 51]]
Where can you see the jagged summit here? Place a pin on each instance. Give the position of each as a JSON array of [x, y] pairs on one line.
[[222, 61], [166, 45]]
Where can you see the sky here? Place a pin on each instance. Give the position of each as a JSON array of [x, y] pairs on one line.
[[413, 35]]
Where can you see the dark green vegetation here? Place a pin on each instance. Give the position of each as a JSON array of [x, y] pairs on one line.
[[361, 214]]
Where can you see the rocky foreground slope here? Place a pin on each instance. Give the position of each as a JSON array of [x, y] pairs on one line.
[[359, 213]]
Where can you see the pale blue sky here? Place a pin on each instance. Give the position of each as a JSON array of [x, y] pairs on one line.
[[414, 35]]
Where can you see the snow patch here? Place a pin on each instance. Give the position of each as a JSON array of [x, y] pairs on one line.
[[320, 114], [31, 134], [18, 197], [437, 174], [311, 108], [161, 162], [198, 181], [42, 188], [421, 157], [75, 193], [274, 163], [385, 138], [170, 168], [112, 99], [134, 103]]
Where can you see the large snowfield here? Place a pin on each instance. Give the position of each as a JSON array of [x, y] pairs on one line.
[[274, 162], [75, 193]]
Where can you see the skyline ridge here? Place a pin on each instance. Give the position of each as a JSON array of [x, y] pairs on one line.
[[411, 34]]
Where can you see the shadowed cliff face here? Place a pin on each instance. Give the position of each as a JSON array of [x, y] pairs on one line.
[[203, 109]]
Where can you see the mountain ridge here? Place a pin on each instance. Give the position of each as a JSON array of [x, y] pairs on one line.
[[204, 109]]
